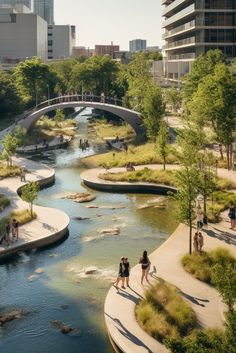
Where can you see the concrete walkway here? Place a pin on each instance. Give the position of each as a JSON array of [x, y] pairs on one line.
[[120, 304], [49, 226]]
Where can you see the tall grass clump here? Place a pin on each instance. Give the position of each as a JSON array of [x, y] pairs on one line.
[[200, 266], [164, 313]]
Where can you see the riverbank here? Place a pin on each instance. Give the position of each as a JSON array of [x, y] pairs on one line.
[[119, 309], [50, 226]]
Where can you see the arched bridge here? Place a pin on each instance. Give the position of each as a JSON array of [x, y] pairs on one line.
[[112, 105]]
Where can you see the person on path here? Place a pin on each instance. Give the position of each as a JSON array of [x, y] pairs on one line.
[[200, 241], [127, 270], [121, 274], [232, 216], [145, 265], [7, 233], [15, 229], [199, 218], [195, 242]]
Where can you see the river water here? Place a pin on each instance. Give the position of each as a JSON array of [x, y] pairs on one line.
[[63, 291]]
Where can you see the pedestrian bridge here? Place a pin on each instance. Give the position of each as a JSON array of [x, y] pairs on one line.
[[108, 104]]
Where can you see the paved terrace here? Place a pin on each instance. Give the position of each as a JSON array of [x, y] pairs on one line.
[[49, 226], [120, 304]]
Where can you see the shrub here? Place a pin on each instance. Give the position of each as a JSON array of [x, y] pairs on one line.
[[201, 266], [164, 313], [4, 202], [6, 172], [22, 216]]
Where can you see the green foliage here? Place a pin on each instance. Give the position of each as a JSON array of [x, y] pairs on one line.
[[97, 74], [10, 171], [29, 193], [173, 98], [20, 134], [59, 116], [142, 154], [31, 79], [4, 202], [104, 129], [143, 175], [201, 67], [10, 103], [224, 278], [202, 266], [10, 144], [163, 142], [153, 109], [164, 314], [214, 102]]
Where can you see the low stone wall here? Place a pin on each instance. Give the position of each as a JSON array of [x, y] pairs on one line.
[[130, 188]]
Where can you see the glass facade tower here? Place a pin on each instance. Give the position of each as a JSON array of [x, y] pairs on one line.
[[15, 2], [192, 27], [45, 9]]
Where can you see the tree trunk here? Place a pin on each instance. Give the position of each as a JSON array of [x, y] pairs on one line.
[[231, 155], [227, 156], [221, 151], [164, 163], [31, 209], [190, 237]]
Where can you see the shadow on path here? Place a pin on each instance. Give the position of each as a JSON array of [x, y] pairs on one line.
[[126, 333]]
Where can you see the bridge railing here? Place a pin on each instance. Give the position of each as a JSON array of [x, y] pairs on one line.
[[78, 98]]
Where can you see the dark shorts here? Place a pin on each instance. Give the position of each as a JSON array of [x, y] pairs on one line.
[[145, 266], [122, 275]]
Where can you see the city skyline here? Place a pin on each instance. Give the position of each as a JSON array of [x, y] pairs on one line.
[[104, 22]]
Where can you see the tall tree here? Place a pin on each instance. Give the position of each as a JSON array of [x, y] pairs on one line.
[[31, 79], [29, 193], [163, 142], [201, 67], [215, 102], [10, 144], [173, 98], [10, 102]]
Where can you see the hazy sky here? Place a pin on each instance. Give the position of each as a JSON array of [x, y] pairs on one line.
[[103, 21]]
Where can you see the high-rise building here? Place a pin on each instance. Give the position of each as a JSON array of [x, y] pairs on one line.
[[61, 39], [16, 2], [22, 35], [137, 45], [192, 27], [45, 9]]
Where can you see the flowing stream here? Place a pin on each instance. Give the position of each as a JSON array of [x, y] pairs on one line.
[[63, 291]]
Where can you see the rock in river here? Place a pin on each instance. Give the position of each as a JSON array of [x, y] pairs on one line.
[[80, 197], [112, 231]]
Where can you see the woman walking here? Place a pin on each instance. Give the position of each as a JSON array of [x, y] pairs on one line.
[[232, 216], [121, 274], [127, 270], [145, 265]]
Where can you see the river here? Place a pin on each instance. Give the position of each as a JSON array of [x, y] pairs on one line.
[[63, 291]]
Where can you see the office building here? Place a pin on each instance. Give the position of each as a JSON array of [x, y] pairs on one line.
[[61, 40], [22, 35], [106, 50], [16, 2], [137, 45], [45, 9], [192, 27]]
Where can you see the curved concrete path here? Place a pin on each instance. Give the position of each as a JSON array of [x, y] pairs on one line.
[[119, 309], [50, 225]]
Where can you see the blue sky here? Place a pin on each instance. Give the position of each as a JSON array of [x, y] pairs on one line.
[[103, 21]]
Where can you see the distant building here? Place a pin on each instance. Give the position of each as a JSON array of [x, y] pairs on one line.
[[22, 35], [192, 27], [106, 50], [61, 40], [122, 56], [45, 9], [137, 45], [78, 51], [16, 2], [154, 48]]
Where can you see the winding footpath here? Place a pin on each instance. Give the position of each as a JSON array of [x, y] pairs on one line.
[[119, 310], [51, 224]]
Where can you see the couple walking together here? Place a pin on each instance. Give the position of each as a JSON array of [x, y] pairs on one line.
[[124, 270]]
